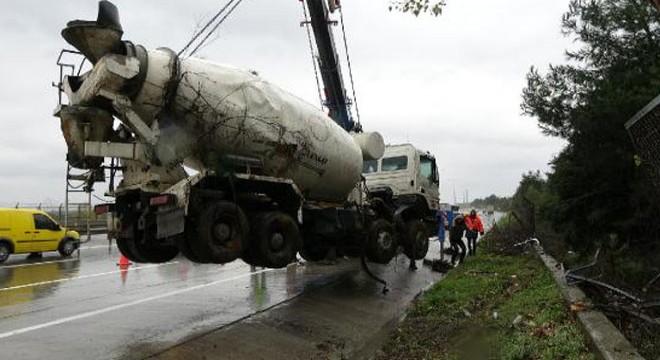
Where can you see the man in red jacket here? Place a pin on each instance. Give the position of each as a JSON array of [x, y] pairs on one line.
[[474, 228]]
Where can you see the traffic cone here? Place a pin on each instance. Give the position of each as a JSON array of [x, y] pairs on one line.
[[123, 262]]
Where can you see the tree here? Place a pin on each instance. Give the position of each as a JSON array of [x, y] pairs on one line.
[[615, 72], [417, 7], [498, 203], [656, 3]]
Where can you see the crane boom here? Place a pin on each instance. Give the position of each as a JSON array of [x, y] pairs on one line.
[[336, 99]]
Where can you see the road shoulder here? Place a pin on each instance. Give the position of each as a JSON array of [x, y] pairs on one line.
[[349, 318]]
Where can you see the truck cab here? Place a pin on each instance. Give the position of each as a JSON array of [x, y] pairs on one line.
[[407, 171]]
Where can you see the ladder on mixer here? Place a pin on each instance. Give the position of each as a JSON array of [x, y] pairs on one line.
[[76, 182]]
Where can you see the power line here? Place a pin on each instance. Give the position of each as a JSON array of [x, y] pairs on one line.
[[200, 32], [238, 2]]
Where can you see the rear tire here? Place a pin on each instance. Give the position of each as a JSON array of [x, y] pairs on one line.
[[183, 243], [222, 232], [185, 240], [147, 250], [153, 252], [381, 242], [127, 248], [314, 252], [275, 240]]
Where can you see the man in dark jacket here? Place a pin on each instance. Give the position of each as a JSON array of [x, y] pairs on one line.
[[456, 238]]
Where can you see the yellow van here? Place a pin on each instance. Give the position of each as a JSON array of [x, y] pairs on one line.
[[25, 231]]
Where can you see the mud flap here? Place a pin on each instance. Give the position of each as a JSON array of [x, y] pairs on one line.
[[170, 222]]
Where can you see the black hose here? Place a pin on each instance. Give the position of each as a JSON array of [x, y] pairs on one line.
[[363, 261]]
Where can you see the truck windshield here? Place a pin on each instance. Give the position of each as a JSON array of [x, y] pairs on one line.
[[426, 168], [394, 163], [369, 166]]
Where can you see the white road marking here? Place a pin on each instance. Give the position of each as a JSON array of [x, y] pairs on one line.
[[125, 305], [85, 276], [95, 247], [37, 263]]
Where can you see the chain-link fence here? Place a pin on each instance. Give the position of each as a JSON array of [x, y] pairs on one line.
[[644, 130]]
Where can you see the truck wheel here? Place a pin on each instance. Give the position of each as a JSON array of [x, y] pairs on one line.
[[159, 254], [127, 248], [381, 242], [222, 233], [314, 252], [4, 251], [147, 250], [183, 243], [416, 240], [146, 246], [152, 252], [67, 247], [275, 239]]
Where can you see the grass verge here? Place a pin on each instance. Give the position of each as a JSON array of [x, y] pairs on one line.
[[490, 307]]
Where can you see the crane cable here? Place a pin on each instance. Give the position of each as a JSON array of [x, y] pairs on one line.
[[348, 61], [235, 4], [311, 50]]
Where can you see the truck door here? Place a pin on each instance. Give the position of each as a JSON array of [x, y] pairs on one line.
[[428, 180], [47, 233]]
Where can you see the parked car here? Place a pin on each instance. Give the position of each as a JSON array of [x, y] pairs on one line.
[[27, 231]]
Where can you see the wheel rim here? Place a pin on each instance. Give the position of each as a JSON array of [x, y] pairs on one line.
[[384, 240], [222, 232], [277, 241], [4, 252], [221, 235], [68, 247], [421, 245]]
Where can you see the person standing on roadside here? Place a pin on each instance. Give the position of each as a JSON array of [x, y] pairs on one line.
[[456, 239], [442, 226], [474, 228]]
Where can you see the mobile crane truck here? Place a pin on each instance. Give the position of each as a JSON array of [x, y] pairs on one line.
[[275, 175]]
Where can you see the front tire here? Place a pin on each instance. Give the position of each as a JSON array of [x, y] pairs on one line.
[[416, 243], [67, 247], [5, 250], [381, 242]]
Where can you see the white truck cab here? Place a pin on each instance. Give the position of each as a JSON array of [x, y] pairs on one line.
[[406, 170]]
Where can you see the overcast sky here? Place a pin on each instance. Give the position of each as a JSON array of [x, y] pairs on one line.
[[450, 85]]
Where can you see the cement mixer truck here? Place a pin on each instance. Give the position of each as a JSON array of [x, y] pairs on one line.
[[273, 175]]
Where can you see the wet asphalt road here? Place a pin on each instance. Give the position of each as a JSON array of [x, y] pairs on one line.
[[87, 307]]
